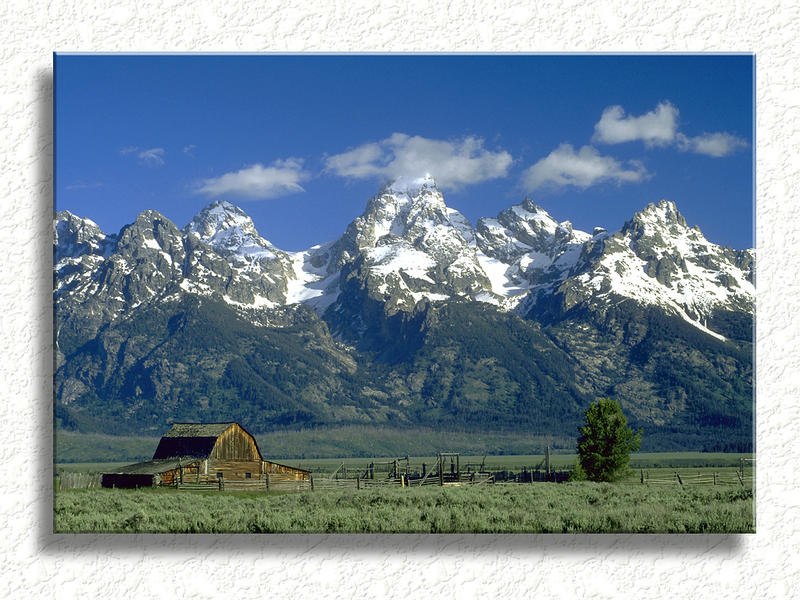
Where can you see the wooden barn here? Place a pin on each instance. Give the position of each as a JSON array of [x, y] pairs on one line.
[[203, 453]]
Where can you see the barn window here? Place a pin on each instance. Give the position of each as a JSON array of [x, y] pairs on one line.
[[219, 474], [247, 475]]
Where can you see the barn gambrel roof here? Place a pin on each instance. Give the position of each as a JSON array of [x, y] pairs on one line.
[[192, 440], [198, 429]]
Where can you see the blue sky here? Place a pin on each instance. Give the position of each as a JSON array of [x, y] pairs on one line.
[[302, 142]]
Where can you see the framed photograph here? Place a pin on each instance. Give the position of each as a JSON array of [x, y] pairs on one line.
[[447, 293]]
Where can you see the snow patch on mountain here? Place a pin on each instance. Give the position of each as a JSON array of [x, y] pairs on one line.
[[502, 283], [312, 282], [400, 258]]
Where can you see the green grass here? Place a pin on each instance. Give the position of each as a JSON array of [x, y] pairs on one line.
[[351, 440], [540, 508], [94, 447]]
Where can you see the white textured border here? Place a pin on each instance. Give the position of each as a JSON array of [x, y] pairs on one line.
[[38, 564]]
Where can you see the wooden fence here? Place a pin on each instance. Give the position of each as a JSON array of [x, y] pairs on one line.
[[69, 480], [271, 482], [712, 478], [405, 481]]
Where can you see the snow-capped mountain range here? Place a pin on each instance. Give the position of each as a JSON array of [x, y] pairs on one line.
[[408, 246], [411, 318]]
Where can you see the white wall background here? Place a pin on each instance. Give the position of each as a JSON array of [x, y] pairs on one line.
[[38, 564]]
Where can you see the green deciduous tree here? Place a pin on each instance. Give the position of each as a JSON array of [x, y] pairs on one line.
[[606, 441]]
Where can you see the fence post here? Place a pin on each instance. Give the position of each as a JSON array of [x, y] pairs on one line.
[[740, 478], [547, 461], [221, 484], [358, 482], [641, 476], [679, 478], [267, 480], [715, 478], [311, 477]]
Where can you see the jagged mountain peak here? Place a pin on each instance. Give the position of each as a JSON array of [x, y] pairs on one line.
[[662, 213], [219, 216], [530, 206], [74, 236], [404, 195], [411, 186], [534, 247], [231, 231]]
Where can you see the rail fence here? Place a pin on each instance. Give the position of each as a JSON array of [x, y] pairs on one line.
[[270, 482], [713, 478]]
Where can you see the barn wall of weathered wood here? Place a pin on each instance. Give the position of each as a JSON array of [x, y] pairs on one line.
[[234, 470], [235, 444], [170, 477]]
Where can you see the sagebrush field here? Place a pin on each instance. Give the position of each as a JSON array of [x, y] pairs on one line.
[[579, 507]]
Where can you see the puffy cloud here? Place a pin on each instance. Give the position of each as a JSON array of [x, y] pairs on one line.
[[566, 167], [451, 163], [711, 144], [655, 128], [258, 182], [659, 127]]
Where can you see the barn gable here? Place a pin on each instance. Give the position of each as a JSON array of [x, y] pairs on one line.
[[208, 440]]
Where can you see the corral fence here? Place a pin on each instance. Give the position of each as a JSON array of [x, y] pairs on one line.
[[743, 476], [445, 470]]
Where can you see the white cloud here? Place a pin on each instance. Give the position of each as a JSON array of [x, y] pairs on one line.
[[257, 181], [451, 163], [711, 144], [152, 156], [128, 150], [566, 167], [188, 149], [655, 128], [659, 127]]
